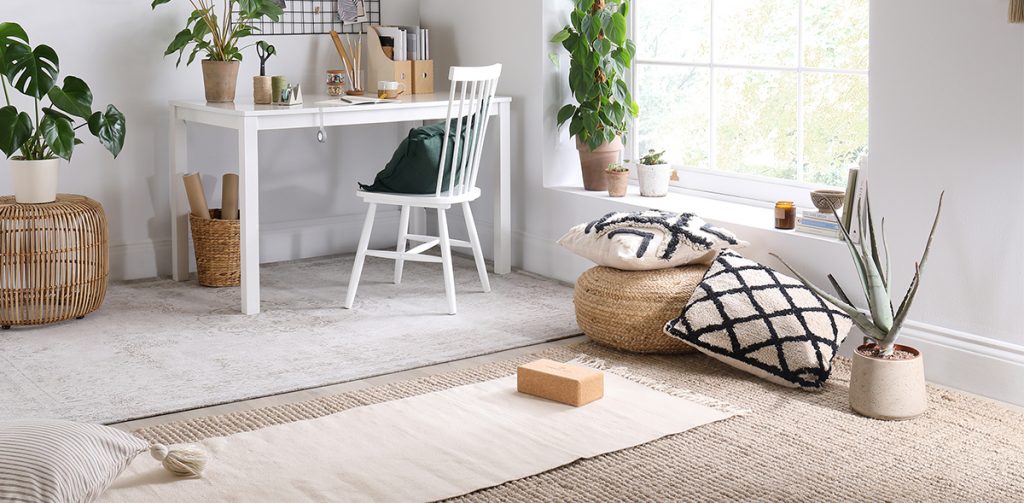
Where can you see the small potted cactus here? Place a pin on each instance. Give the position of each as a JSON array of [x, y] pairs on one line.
[[887, 379], [654, 174], [618, 179]]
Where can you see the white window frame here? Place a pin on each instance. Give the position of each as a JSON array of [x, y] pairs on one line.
[[727, 184]]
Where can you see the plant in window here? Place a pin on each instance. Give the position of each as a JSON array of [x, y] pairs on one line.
[[49, 135], [599, 56], [617, 176], [219, 38], [873, 361], [654, 174], [652, 158]]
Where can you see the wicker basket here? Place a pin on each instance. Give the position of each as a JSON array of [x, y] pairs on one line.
[[628, 310], [53, 260], [218, 256]]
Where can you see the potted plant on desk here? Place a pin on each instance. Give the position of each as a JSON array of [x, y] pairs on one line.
[[219, 37], [599, 57], [654, 174], [50, 135], [887, 379]]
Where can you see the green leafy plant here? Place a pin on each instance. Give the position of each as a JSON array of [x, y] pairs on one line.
[[51, 131], [217, 36], [616, 167], [882, 324], [600, 55], [652, 158], [264, 51]]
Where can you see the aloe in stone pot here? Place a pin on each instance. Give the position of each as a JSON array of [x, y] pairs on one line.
[[36, 142], [887, 380], [217, 32]]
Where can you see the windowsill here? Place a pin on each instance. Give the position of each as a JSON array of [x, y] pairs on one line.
[[717, 208]]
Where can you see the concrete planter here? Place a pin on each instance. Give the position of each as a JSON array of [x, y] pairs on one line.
[[595, 162], [891, 390], [34, 182], [654, 179], [220, 79]]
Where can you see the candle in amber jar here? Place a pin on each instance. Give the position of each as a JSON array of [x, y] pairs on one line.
[[785, 215]]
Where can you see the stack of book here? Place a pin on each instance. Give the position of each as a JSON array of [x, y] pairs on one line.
[[819, 224]]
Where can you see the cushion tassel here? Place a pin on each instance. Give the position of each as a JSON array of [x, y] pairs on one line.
[[1017, 11], [186, 461]]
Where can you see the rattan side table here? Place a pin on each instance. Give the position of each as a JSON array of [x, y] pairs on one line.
[[53, 260]]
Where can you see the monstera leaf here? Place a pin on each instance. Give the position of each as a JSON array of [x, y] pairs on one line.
[[32, 71], [59, 135], [15, 130], [74, 98], [11, 34], [109, 127]]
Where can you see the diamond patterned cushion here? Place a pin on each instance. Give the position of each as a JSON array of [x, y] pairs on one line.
[[648, 240], [763, 322]]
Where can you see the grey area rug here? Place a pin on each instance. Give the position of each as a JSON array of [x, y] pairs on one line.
[[158, 346], [793, 446]]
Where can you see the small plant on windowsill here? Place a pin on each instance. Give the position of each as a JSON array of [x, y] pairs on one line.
[[618, 179], [654, 174], [887, 379], [51, 135]]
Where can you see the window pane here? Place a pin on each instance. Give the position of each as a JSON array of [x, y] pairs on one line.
[[836, 34], [674, 112], [757, 32], [674, 30], [755, 129], [835, 126]]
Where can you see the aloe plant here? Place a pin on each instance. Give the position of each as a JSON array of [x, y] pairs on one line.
[[882, 323]]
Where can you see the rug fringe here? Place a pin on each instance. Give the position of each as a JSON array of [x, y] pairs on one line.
[[626, 373]]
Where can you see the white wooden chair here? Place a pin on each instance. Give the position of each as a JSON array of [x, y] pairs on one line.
[[469, 106]]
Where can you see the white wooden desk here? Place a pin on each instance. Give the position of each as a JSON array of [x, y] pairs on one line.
[[249, 120]]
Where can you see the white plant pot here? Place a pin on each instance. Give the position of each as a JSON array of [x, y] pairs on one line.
[[34, 181], [888, 389], [654, 179]]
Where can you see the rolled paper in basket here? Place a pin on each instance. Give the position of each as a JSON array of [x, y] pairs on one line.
[[196, 196], [229, 197]]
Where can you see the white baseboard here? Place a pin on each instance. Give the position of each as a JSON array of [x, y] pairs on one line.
[[279, 241]]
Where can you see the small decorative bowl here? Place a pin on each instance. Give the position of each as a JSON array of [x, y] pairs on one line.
[[822, 198]]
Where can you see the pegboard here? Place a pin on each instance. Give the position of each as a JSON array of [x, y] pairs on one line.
[[314, 17]]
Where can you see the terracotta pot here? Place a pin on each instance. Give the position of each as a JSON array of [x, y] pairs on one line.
[[595, 162], [261, 90], [34, 182], [654, 179], [618, 182], [220, 79], [891, 390]]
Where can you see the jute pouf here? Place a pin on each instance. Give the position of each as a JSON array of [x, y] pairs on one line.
[[628, 310]]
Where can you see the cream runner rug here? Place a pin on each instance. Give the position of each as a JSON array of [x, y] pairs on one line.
[[424, 448]]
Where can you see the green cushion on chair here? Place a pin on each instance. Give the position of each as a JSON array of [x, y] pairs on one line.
[[413, 167]]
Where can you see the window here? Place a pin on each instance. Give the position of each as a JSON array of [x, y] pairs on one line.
[[750, 95]]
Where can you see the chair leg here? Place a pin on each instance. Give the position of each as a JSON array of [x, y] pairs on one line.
[[357, 266], [478, 253], [446, 258], [403, 231]]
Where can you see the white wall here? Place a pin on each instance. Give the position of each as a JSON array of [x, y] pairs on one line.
[[947, 79], [117, 47]]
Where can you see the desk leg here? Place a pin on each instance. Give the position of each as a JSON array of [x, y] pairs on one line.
[[502, 203], [179, 210], [249, 202]]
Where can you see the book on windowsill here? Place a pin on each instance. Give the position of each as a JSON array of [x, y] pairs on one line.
[[818, 224], [817, 231], [817, 215]]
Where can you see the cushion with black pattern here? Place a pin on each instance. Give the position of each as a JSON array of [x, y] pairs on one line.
[[648, 240], [763, 322]]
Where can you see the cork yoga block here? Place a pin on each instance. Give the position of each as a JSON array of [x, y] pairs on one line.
[[560, 382], [627, 310]]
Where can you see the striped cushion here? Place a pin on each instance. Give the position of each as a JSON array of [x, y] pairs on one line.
[[60, 461]]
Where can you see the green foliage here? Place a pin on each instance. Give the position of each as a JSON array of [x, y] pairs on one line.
[[219, 37], [652, 158], [600, 55], [873, 268], [34, 72], [616, 167]]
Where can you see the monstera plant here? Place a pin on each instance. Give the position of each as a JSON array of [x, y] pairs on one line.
[[218, 32], [35, 142]]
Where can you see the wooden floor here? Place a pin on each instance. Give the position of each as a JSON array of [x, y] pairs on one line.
[[299, 396]]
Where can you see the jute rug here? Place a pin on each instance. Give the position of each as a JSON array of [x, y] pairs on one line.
[[158, 346], [794, 446]]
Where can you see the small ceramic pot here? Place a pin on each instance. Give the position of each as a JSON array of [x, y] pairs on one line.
[[34, 182], [654, 179], [618, 183], [891, 390], [220, 79], [826, 199], [595, 162]]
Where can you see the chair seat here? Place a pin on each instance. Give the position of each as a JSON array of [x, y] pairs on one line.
[[445, 200]]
